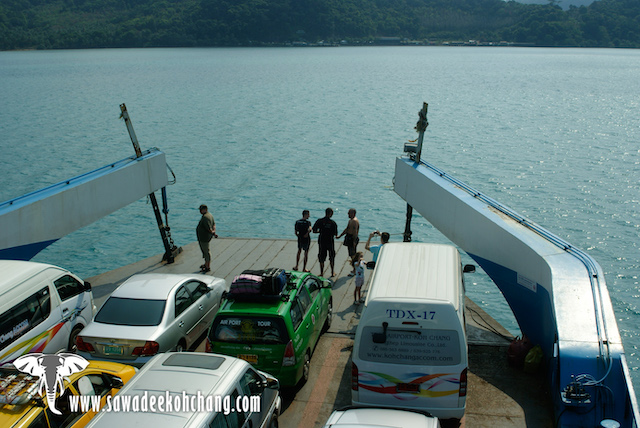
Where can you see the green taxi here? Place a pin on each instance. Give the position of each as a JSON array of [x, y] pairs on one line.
[[277, 335]]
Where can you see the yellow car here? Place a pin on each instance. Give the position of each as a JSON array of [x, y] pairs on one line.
[[21, 405]]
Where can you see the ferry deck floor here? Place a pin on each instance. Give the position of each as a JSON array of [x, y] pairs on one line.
[[498, 395]]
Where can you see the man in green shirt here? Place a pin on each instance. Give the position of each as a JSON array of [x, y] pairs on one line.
[[205, 231]]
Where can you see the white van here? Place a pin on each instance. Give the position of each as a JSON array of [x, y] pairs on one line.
[[42, 308], [410, 348]]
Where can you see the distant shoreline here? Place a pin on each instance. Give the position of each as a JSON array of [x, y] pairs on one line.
[[338, 45]]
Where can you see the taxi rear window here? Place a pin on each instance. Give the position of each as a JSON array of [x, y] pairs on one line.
[[252, 330], [406, 346]]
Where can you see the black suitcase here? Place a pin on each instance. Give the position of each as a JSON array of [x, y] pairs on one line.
[[273, 280]]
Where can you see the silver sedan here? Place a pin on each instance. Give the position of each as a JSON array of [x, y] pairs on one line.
[[151, 313]]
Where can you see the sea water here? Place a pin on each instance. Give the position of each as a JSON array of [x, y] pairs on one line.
[[261, 134]]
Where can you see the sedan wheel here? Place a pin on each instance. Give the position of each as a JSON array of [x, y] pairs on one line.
[[327, 322], [180, 347], [273, 423], [306, 367]]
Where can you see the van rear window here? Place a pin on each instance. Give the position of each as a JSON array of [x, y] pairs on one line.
[[250, 330], [409, 346]]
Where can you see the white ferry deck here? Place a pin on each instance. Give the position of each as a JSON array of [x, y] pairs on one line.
[[498, 395]]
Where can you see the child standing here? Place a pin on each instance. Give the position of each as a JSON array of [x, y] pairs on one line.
[[358, 265]]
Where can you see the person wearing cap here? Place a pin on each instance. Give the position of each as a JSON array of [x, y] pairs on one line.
[[205, 231]]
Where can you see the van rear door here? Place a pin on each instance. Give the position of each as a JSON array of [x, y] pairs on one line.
[[415, 360], [409, 364]]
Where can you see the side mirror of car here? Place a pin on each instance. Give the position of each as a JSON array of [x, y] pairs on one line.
[[116, 383], [469, 269], [272, 383], [87, 286], [327, 283], [371, 265]]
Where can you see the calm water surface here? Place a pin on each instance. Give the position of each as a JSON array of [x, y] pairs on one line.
[[260, 134]]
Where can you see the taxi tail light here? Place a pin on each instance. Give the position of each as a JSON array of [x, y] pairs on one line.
[[149, 348], [289, 358], [463, 384], [207, 345], [354, 377], [84, 346]]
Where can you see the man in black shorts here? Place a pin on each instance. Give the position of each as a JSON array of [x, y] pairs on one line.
[[303, 230], [328, 229], [351, 239]]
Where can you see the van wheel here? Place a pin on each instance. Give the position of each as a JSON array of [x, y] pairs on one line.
[[72, 347], [181, 346], [327, 322], [273, 423], [306, 367]]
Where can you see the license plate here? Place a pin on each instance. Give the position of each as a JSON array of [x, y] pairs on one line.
[[113, 350], [408, 387], [253, 359]]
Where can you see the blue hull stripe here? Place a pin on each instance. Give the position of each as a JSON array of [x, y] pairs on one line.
[[24, 252], [531, 308]]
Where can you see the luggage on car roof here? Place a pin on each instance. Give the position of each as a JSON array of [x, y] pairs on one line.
[[273, 280], [264, 284]]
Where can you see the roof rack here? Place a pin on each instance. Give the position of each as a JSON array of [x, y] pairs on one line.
[[284, 295], [17, 388]]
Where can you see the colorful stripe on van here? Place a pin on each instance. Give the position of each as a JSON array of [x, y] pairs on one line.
[[35, 344], [428, 385], [39, 343]]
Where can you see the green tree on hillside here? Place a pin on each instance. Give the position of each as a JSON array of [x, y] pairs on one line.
[[52, 24]]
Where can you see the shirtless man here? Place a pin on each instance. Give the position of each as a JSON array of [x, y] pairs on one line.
[[351, 240]]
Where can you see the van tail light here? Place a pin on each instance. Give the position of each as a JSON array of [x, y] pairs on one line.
[[354, 377], [84, 346], [207, 345], [149, 348], [463, 383], [289, 358]]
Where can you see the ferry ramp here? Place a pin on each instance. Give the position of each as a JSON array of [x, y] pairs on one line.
[[498, 395]]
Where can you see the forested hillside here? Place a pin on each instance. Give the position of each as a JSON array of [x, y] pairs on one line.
[[53, 24]]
